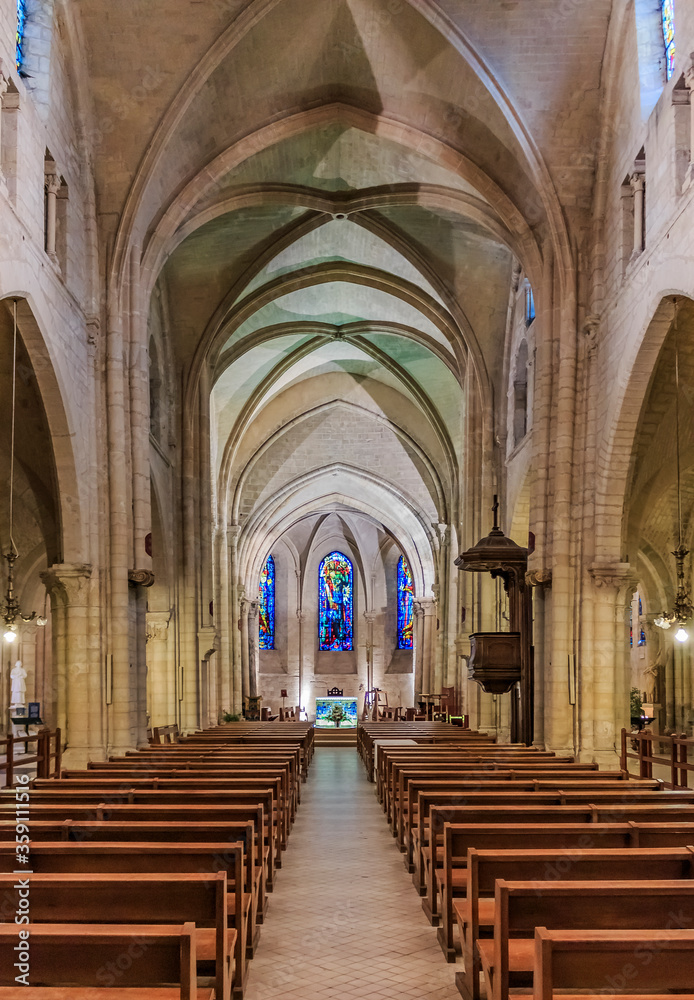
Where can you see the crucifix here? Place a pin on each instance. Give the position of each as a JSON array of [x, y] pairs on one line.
[[495, 508]]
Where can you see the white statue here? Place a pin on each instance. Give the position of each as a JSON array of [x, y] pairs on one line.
[[19, 685]]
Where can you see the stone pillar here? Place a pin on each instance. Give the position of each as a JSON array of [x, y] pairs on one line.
[[605, 701], [77, 680], [245, 651], [418, 650], [160, 697], [689, 81], [301, 618], [638, 187], [253, 616], [426, 658], [4, 83], [121, 693], [52, 184]]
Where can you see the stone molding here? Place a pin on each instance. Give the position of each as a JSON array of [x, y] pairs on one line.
[[616, 575]]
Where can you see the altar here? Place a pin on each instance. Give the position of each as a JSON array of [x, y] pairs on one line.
[[336, 713]]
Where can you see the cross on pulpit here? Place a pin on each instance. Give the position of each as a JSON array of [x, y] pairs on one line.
[[495, 508]]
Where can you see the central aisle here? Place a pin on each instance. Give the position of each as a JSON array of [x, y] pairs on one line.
[[344, 919]]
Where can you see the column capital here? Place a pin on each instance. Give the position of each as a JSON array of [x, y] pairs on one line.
[[425, 605], [157, 627], [208, 641], [369, 617], [613, 575], [52, 182], [300, 615], [70, 580], [4, 84], [637, 180]]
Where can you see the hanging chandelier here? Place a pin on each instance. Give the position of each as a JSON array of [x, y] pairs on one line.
[[10, 611], [682, 610]]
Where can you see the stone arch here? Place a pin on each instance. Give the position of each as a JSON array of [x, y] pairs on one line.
[[52, 391]]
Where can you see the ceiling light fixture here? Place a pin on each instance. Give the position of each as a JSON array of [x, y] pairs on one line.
[[682, 610], [10, 611]]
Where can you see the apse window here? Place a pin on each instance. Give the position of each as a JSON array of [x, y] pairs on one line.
[[20, 39], [405, 605], [667, 8], [266, 606], [335, 604]]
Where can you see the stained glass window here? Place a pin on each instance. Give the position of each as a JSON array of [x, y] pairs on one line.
[[642, 634], [631, 626], [21, 24], [405, 605], [266, 611], [529, 304], [667, 8], [335, 603]]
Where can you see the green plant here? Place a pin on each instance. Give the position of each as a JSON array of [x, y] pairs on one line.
[[636, 704], [230, 717]]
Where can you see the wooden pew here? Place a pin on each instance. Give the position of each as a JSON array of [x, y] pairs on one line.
[[203, 799], [140, 899], [507, 959], [466, 789], [140, 858], [178, 815], [455, 882], [476, 910], [534, 808], [594, 960], [165, 832], [71, 958]]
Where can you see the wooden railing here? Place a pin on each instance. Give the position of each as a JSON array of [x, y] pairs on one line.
[[47, 756], [674, 755]]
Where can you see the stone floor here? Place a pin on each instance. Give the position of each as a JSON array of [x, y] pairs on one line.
[[344, 919]]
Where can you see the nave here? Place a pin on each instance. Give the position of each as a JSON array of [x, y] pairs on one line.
[[344, 921]]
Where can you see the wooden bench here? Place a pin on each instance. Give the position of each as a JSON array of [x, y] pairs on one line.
[[140, 899], [536, 810], [180, 815], [132, 961], [595, 960], [141, 857], [475, 912], [113, 831], [507, 959]]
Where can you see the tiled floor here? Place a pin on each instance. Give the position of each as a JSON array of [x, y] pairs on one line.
[[344, 919]]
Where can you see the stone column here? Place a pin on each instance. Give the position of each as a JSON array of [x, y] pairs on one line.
[[418, 651], [52, 184], [689, 81], [160, 701], [638, 186], [121, 694], [427, 632], [77, 680], [4, 83], [245, 651], [606, 701], [253, 616], [301, 618]]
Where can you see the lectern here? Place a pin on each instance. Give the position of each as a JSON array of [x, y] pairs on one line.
[[503, 661]]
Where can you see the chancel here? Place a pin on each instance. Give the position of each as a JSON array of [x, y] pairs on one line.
[[346, 461]]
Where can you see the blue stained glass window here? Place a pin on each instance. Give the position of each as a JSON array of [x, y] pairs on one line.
[[529, 304], [667, 8], [642, 634], [21, 24], [266, 612], [631, 626], [335, 603], [405, 605]]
